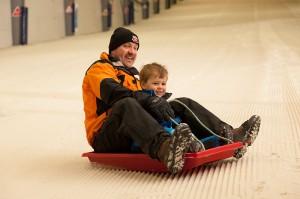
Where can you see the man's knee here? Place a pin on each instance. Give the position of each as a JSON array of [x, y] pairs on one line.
[[127, 102], [183, 99]]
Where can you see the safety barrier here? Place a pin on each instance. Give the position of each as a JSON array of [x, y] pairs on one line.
[[112, 14], [19, 19]]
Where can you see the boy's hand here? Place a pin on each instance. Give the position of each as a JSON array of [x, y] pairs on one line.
[[158, 107]]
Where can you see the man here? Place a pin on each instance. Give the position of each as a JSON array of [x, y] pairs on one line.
[[118, 114]]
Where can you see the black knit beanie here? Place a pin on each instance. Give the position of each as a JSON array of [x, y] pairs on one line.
[[120, 36]]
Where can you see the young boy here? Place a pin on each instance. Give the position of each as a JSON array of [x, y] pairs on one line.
[[154, 77]]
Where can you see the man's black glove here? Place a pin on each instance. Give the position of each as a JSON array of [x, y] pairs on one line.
[[158, 107]]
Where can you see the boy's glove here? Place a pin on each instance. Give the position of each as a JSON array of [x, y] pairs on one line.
[[158, 107]]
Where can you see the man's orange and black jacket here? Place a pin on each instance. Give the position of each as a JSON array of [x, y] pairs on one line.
[[103, 85]]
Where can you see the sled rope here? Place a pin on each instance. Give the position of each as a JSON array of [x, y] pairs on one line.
[[201, 123]]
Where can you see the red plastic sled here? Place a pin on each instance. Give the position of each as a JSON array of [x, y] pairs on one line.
[[142, 162]]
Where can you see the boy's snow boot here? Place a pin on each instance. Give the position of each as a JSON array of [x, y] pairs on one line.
[[172, 150]]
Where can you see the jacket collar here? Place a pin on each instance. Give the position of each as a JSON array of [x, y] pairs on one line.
[[117, 64]]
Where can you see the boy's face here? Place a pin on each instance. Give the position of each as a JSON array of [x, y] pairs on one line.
[[157, 84], [126, 53]]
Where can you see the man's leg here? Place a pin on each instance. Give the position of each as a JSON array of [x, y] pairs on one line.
[[210, 120], [246, 133], [129, 122]]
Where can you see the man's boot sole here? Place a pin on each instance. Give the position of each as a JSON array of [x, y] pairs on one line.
[[180, 142], [252, 133], [250, 137]]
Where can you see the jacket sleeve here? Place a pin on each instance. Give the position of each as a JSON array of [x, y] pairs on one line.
[[104, 83]]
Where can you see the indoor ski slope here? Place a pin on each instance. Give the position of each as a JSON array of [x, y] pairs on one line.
[[235, 57]]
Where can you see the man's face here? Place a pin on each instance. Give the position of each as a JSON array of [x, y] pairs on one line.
[[126, 53], [157, 84]]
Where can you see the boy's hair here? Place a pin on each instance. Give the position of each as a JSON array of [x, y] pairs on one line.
[[152, 69]]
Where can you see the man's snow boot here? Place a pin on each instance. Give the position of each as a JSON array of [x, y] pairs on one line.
[[246, 134], [172, 150]]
